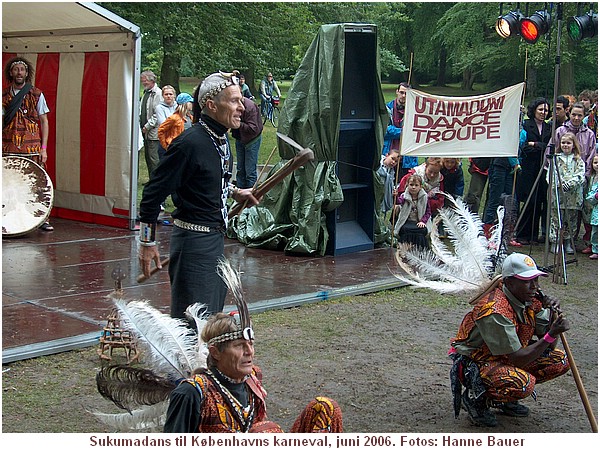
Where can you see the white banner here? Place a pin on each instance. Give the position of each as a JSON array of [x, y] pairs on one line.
[[481, 125]]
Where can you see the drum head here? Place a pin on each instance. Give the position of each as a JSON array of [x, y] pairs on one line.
[[27, 196]]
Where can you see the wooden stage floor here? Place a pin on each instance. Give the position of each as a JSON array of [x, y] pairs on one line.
[[55, 286]]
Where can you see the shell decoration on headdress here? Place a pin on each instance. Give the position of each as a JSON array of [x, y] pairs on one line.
[[215, 83]]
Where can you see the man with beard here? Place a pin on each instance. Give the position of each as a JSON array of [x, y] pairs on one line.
[[24, 117]]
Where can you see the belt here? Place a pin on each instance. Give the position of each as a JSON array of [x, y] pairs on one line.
[[194, 227]]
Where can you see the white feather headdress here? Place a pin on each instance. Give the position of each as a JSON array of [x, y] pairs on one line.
[[464, 266], [173, 350]]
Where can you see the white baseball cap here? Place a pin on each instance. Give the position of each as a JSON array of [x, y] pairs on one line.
[[521, 266]]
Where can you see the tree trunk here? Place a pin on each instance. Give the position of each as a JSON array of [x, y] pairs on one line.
[[531, 88], [441, 78], [468, 80], [169, 72], [567, 72]]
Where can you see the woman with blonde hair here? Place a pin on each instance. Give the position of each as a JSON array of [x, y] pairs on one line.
[[177, 122]]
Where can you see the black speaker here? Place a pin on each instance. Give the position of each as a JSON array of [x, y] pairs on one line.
[[358, 90], [351, 225]]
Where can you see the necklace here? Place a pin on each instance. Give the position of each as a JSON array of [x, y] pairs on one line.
[[221, 144], [231, 380], [245, 416]]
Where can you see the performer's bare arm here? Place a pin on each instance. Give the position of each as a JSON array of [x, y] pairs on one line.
[[44, 136], [526, 355]]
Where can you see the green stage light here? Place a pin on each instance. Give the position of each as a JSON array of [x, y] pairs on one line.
[[581, 27]]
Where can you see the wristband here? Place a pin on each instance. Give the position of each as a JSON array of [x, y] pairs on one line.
[[549, 339], [147, 244], [147, 234], [44, 147]]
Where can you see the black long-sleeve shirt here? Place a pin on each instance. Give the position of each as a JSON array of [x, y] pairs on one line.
[[191, 169]]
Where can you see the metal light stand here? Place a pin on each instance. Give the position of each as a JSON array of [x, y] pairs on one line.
[[560, 252], [559, 274]]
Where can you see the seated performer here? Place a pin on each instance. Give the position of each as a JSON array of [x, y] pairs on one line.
[[507, 344], [208, 378], [228, 396]]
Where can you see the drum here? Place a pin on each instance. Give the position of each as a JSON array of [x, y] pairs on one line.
[[27, 196]]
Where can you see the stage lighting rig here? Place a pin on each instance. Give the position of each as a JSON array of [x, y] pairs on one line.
[[509, 24], [535, 26], [581, 27]]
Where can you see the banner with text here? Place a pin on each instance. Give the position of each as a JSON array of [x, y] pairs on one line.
[[482, 125]]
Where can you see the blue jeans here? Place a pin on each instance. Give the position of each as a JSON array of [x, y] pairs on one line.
[[500, 181], [247, 159], [263, 104]]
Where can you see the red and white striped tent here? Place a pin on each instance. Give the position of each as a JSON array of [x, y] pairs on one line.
[[86, 62]]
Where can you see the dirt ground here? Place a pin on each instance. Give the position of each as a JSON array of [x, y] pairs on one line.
[[381, 356]]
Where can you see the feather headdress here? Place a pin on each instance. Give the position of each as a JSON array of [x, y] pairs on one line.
[[232, 280], [173, 351], [466, 266]]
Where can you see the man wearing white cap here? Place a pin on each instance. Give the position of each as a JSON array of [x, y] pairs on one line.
[[195, 172], [507, 344]]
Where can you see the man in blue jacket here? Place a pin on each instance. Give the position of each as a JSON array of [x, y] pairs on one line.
[[391, 139]]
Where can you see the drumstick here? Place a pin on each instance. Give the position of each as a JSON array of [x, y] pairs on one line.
[[141, 278]]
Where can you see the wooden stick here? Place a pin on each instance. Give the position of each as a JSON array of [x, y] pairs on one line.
[[164, 263], [410, 67], [264, 167], [298, 161], [579, 383]]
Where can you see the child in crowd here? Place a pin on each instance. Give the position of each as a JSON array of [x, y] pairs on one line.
[[177, 122], [432, 179], [570, 172], [454, 180], [454, 183], [387, 173], [414, 214], [590, 212]]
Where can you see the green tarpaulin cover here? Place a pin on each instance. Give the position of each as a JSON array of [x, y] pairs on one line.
[[292, 216]]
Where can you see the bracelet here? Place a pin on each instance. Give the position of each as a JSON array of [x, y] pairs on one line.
[[549, 339], [44, 147], [147, 234], [147, 244]]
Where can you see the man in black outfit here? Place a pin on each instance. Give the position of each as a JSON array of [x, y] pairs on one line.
[[195, 170]]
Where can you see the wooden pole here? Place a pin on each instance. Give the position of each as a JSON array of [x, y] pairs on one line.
[[164, 263], [579, 383]]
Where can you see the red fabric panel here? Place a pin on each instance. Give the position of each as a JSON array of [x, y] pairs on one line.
[[94, 95], [82, 216], [5, 58], [46, 79]]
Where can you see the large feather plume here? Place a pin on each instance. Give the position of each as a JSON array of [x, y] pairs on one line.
[[233, 282], [145, 418], [198, 313], [170, 344], [464, 266], [129, 387]]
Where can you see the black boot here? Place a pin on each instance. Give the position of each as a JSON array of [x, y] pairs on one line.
[[479, 413]]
